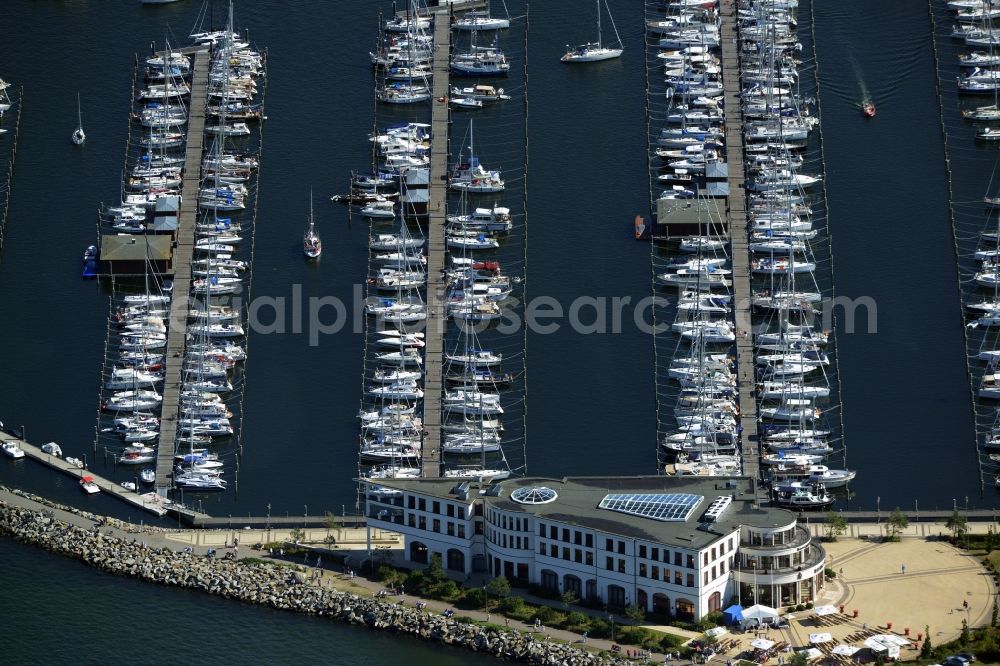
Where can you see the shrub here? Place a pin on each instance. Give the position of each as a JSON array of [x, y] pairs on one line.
[[829, 573], [800, 608], [599, 628], [576, 619], [448, 590], [671, 642], [544, 614], [511, 605], [473, 598]]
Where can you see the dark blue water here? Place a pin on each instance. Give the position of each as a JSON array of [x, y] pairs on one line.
[[59, 611], [908, 422]]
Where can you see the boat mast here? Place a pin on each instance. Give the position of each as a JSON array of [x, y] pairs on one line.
[[598, 23]]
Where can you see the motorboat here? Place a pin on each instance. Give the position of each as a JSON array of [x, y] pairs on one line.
[[832, 478], [868, 108], [52, 449], [88, 486], [12, 450]]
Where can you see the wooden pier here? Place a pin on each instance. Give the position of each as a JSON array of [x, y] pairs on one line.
[[739, 237], [150, 502], [437, 316], [183, 252]]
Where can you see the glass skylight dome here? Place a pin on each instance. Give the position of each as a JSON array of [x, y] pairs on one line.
[[534, 495]]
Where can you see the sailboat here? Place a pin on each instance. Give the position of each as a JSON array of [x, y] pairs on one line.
[[312, 246], [592, 52], [78, 136]]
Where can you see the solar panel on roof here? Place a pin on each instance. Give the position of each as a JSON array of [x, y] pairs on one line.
[[667, 507]]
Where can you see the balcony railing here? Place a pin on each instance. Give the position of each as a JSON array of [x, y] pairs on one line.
[[811, 557]]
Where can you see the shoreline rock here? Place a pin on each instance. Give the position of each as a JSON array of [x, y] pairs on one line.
[[276, 587]]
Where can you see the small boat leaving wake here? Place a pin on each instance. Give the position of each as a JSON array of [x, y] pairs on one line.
[[868, 108]]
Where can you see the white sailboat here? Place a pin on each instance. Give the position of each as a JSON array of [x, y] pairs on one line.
[[312, 246], [595, 51], [78, 136]]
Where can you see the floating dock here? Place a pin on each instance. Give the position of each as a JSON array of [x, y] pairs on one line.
[[183, 253], [437, 317], [150, 502], [740, 251]]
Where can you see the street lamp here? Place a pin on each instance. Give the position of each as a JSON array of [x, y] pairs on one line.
[[269, 515]]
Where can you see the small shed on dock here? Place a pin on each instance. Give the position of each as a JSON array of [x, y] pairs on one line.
[[691, 217], [165, 219], [128, 254]]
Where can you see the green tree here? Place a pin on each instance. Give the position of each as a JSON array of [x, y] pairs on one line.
[[957, 524], [963, 638], [296, 535], [798, 659], [996, 612], [635, 613], [569, 598], [499, 587], [836, 525], [434, 571], [896, 524], [926, 648]]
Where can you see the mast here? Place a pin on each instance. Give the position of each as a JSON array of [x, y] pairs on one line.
[[598, 23]]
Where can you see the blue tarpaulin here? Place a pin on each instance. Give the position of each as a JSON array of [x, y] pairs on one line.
[[733, 614]]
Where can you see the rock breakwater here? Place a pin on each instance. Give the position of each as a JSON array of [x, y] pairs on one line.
[[277, 587]]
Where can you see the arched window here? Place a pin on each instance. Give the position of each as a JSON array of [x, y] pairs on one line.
[[418, 552]]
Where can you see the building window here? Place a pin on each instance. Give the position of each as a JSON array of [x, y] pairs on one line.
[[609, 545], [436, 507], [578, 537], [450, 527], [722, 567], [422, 523], [411, 520], [642, 570], [517, 542], [610, 564], [690, 580], [589, 541], [678, 580], [411, 502], [706, 578], [503, 522], [450, 510], [690, 562], [422, 504], [477, 509], [713, 573], [541, 548], [588, 558], [642, 552], [713, 552], [436, 525], [655, 556], [527, 543], [553, 532], [621, 547], [461, 512], [565, 535], [655, 573], [704, 559], [461, 531], [578, 555], [678, 561], [621, 566], [504, 543], [566, 554], [541, 529], [479, 527]]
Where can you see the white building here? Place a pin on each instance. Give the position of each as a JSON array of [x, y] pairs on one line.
[[678, 546]]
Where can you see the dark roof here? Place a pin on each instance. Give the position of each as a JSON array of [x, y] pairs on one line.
[[579, 497], [126, 247]]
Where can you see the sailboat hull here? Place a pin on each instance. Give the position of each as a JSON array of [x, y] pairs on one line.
[[593, 55]]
